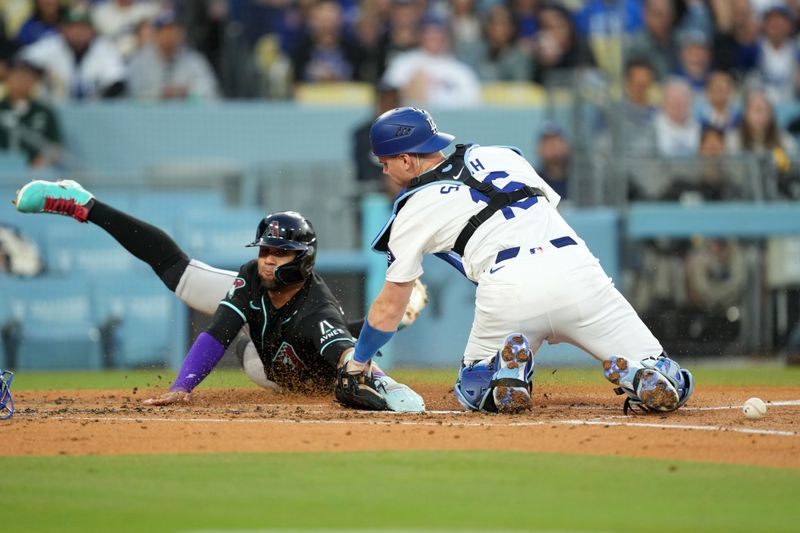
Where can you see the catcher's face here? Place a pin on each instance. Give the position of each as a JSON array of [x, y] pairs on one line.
[[400, 168], [268, 260]]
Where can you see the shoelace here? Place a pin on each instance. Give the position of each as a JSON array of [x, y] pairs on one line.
[[60, 205]]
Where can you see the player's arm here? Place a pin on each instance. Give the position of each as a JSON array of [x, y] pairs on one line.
[[417, 302], [208, 348], [382, 320]]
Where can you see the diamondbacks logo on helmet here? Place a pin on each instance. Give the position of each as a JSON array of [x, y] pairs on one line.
[[238, 283], [273, 230]]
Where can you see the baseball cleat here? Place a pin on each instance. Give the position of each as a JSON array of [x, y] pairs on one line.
[[645, 386], [64, 197], [656, 392], [511, 382]]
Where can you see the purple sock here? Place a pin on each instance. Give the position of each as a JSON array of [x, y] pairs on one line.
[[203, 356]]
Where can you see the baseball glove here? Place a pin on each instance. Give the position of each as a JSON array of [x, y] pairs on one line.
[[418, 301], [358, 389]]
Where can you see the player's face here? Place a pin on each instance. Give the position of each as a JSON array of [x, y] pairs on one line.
[[268, 260], [398, 167]]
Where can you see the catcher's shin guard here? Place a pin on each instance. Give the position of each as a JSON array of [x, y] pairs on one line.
[[652, 384], [500, 384], [6, 401]]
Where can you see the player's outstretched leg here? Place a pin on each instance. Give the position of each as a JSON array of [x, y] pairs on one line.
[[64, 197], [652, 384]]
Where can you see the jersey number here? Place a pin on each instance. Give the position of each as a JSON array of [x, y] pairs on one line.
[[508, 187]]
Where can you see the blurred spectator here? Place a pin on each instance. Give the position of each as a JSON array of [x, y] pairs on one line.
[[27, 124], [605, 25], [45, 21], [403, 34], [526, 15], [208, 28], [759, 132], [716, 279], [609, 17], [19, 255], [559, 49], [257, 18], [719, 109], [638, 114], [555, 159], [368, 35], [656, 41], [326, 53], [8, 49], [677, 132], [170, 69], [119, 20], [694, 60], [464, 23], [736, 43], [778, 53], [713, 182], [78, 64], [369, 170], [760, 135], [430, 75], [497, 57]]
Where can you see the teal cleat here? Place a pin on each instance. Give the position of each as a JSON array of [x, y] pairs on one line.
[[64, 197]]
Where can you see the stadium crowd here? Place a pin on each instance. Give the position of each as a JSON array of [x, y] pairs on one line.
[[689, 80]]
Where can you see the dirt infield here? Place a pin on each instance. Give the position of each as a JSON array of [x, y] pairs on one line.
[[572, 419]]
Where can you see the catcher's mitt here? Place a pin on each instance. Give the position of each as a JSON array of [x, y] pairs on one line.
[[358, 389]]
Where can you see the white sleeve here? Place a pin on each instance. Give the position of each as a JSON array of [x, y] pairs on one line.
[[109, 67], [407, 245], [39, 53]]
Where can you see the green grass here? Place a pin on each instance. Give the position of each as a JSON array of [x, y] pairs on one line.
[[121, 379], [415, 490]]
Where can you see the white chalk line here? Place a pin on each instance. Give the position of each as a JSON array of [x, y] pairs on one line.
[[362, 422]]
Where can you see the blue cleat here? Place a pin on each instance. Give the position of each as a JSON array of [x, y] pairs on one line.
[[64, 197], [644, 382], [512, 381]]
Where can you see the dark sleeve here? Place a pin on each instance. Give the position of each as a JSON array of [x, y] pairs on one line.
[[328, 331], [232, 311], [355, 327]]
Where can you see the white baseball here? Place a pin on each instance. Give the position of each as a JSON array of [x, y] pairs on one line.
[[754, 408]]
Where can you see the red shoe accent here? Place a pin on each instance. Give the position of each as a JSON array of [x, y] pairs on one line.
[[69, 207]]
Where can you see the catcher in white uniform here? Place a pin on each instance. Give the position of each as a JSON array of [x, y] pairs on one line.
[[486, 211]]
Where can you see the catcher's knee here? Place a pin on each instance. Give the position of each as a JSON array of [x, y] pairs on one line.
[[652, 384]]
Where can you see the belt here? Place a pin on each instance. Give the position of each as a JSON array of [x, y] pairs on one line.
[[511, 253]]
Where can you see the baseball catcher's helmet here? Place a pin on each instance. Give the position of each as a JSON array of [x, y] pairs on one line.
[[289, 230], [406, 130], [6, 401]]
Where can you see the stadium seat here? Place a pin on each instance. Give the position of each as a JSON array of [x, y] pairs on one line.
[[70, 249], [57, 327], [219, 237], [335, 93], [140, 320]]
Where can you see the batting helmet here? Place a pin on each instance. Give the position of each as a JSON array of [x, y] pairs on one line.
[[6, 401], [406, 130], [289, 230]]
